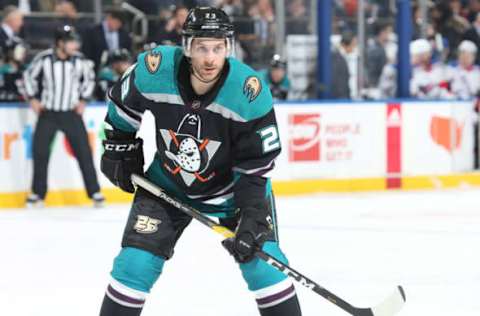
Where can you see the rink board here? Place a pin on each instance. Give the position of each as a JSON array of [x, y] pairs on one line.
[[327, 147]]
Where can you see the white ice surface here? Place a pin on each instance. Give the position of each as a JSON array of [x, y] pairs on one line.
[[360, 246]]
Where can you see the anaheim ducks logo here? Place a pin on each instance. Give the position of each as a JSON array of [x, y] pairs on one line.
[[152, 61], [252, 88], [187, 154]]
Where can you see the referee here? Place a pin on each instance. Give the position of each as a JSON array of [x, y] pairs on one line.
[[58, 83]]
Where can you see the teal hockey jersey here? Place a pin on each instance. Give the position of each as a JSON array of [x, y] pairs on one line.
[[214, 149]]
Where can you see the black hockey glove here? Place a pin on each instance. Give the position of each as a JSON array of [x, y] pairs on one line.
[[251, 233], [120, 159]]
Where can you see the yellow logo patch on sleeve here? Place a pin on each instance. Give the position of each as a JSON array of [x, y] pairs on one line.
[[152, 61], [252, 88]]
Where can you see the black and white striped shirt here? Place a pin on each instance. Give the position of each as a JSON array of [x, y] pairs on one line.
[[59, 84]]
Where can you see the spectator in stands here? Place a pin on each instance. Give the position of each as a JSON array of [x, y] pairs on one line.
[[262, 9], [451, 26], [256, 35], [25, 6], [68, 14], [107, 36], [232, 7], [146, 6], [87, 6], [297, 22], [118, 62], [276, 78], [341, 79], [66, 9], [472, 9], [11, 25], [262, 13], [439, 44], [417, 21], [387, 83], [376, 53], [379, 8], [429, 80], [349, 51], [458, 15], [47, 5], [171, 33], [11, 81], [464, 77], [473, 35]]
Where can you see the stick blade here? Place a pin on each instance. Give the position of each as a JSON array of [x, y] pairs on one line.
[[389, 307], [392, 304]]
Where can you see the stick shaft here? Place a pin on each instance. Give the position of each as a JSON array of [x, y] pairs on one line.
[[196, 214]]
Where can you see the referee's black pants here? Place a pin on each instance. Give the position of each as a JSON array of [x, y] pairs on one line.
[[49, 122]]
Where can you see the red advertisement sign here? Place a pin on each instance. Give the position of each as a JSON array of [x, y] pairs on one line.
[[304, 143]]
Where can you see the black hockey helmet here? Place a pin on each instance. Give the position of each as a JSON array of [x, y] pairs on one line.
[[66, 33], [278, 62], [119, 55], [207, 22]]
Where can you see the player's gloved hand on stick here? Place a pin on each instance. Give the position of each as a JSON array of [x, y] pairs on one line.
[[121, 158], [251, 233]]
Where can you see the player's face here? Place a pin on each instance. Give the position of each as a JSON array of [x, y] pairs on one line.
[[208, 57], [424, 58], [277, 74], [466, 59], [120, 67]]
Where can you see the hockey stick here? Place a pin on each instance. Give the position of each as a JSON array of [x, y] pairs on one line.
[[390, 306]]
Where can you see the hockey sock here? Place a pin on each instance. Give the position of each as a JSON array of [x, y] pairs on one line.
[[121, 300], [111, 308], [289, 307]]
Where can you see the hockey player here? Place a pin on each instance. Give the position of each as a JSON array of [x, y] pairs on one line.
[[118, 61], [465, 84], [465, 76], [429, 80], [217, 139], [11, 81], [276, 78]]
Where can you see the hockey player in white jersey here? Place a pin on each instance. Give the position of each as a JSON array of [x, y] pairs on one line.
[[465, 76], [429, 80]]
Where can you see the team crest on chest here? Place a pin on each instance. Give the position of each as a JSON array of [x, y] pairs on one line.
[[152, 61], [252, 88], [187, 154]]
